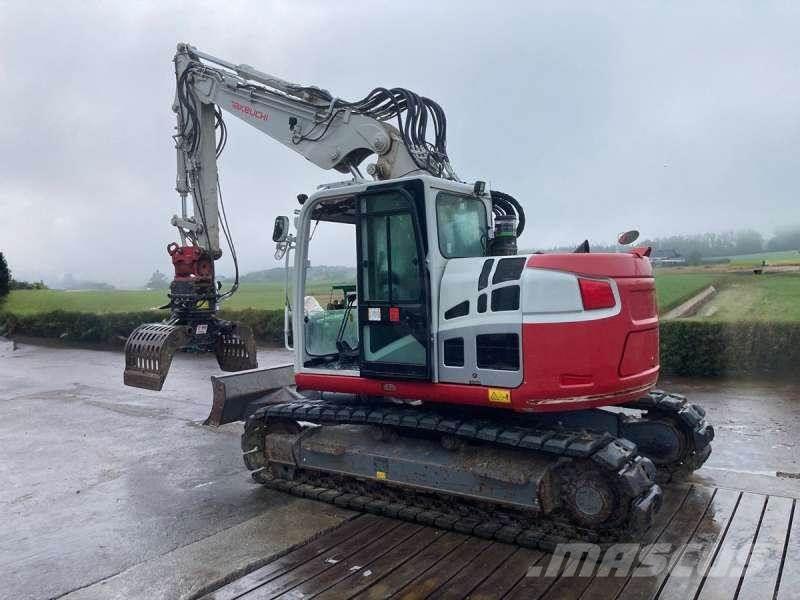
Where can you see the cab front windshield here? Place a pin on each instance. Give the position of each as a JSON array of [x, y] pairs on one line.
[[462, 225]]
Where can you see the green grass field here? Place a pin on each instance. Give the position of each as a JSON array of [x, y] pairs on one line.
[[748, 297], [674, 288], [249, 295], [789, 257]]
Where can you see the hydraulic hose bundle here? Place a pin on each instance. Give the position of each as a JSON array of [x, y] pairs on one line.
[[413, 113]]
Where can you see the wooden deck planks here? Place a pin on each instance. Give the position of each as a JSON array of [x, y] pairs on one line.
[[687, 571], [399, 577], [357, 564], [789, 580], [439, 574], [475, 572], [386, 564], [723, 576], [507, 575], [679, 504], [706, 543], [321, 562], [763, 569], [293, 559], [656, 565]]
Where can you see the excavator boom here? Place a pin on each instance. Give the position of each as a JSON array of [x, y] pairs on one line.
[[328, 131]]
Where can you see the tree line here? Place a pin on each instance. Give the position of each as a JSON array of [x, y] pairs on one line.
[[715, 244], [729, 243], [8, 283]]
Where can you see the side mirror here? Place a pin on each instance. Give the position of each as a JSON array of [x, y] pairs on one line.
[[281, 230], [628, 237]]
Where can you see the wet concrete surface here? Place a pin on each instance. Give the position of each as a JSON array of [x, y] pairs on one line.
[[757, 425], [98, 478], [110, 491]]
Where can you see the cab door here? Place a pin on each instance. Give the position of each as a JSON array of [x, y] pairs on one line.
[[393, 298]]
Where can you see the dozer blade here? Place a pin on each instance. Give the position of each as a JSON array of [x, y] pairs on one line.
[[148, 354], [236, 350]]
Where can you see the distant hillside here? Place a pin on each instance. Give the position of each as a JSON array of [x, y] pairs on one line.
[[333, 274]]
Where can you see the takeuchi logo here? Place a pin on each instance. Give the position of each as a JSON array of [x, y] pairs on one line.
[[250, 111]]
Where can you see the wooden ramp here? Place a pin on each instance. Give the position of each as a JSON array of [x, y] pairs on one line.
[[707, 543]]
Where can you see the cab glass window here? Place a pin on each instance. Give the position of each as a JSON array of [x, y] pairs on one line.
[[462, 225], [392, 268]]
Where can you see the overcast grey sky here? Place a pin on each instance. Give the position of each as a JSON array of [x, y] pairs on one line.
[[663, 116]]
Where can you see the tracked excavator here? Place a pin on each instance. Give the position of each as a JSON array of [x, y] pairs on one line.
[[457, 382]]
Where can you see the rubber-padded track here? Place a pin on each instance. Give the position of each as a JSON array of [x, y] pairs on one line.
[[633, 475]]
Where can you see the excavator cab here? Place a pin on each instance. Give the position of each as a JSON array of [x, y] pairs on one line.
[[380, 327]]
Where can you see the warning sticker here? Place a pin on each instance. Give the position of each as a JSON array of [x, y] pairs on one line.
[[497, 395], [374, 314]]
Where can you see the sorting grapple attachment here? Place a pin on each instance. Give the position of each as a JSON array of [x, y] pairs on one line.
[[149, 351], [236, 349], [192, 325], [150, 348]]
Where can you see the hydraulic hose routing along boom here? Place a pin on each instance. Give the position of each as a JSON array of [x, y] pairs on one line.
[[328, 131]]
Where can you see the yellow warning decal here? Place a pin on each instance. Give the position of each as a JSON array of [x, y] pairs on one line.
[[497, 395], [380, 474]]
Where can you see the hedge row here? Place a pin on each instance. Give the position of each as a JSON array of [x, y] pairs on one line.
[[79, 327], [698, 348], [708, 348], [113, 328]]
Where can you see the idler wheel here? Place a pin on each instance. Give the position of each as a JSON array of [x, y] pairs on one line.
[[659, 438]]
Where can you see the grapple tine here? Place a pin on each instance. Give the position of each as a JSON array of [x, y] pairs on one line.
[[148, 354], [236, 351]]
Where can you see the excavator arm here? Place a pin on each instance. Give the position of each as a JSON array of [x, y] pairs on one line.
[[330, 132], [327, 131]]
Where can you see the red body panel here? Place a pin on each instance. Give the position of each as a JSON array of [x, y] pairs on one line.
[[566, 365], [601, 264], [591, 358]]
